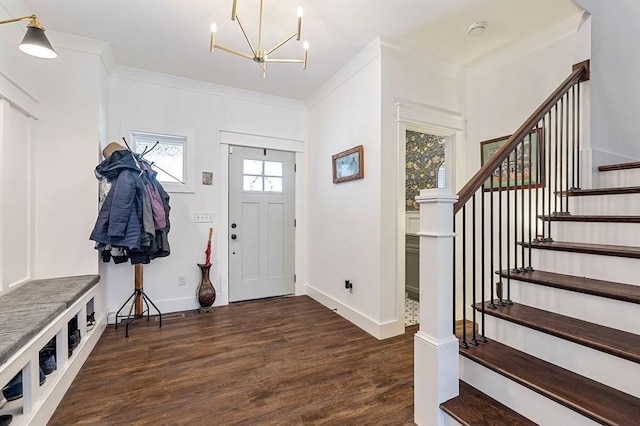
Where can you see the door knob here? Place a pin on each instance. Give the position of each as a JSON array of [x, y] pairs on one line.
[[234, 236]]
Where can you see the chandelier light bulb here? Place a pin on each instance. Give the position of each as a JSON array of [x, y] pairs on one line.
[[299, 11], [305, 45], [214, 27]]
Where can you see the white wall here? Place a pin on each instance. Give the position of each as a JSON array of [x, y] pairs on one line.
[[159, 103], [502, 91], [343, 220], [49, 146], [615, 67], [364, 241], [65, 139]]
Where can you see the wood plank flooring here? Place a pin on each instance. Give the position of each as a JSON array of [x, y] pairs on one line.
[[270, 362]]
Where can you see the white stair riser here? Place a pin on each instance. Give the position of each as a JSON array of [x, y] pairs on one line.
[[447, 420], [616, 314], [530, 404], [621, 234], [608, 268], [619, 178], [613, 371], [618, 204]]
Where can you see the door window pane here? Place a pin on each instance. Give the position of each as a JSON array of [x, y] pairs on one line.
[[273, 184], [252, 167], [252, 183], [273, 168]]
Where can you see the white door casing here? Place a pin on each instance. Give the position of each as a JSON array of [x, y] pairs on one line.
[[261, 223]]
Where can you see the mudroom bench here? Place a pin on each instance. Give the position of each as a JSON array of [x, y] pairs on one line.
[[50, 313]]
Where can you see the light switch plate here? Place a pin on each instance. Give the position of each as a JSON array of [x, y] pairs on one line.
[[204, 218]]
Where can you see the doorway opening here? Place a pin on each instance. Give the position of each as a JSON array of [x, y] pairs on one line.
[[261, 223], [425, 164]]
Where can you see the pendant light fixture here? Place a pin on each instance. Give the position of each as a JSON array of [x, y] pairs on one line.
[[35, 42], [259, 55]]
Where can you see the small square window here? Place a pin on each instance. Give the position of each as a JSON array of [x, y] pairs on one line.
[[262, 176], [168, 155]]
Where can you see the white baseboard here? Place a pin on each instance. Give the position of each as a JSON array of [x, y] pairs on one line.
[[376, 329]]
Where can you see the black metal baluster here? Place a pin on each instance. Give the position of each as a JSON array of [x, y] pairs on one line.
[[560, 195], [574, 142], [500, 192], [492, 234], [542, 158], [566, 140], [579, 120], [515, 269], [533, 217], [508, 189], [553, 141], [474, 340], [454, 274], [483, 339], [464, 278], [522, 167]]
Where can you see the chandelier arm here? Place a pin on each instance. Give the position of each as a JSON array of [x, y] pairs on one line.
[[260, 29], [286, 61], [253, 50], [280, 44], [235, 52], [24, 18]]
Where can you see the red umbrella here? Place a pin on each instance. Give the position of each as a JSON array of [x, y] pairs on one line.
[[207, 252]]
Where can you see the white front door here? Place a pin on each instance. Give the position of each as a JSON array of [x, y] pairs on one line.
[[261, 223]]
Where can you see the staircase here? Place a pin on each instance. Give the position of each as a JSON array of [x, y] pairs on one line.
[[564, 346]]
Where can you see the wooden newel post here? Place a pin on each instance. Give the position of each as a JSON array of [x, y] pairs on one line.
[[435, 346]]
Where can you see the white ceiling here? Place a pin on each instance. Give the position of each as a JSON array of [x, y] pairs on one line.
[[172, 37]]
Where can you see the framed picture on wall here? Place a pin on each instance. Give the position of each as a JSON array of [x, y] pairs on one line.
[[348, 165], [522, 169]]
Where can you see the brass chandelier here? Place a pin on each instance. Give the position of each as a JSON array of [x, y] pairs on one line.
[[259, 55]]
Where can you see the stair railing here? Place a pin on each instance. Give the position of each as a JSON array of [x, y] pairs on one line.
[[506, 207]]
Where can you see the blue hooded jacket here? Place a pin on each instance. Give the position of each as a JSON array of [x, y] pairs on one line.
[[119, 222]]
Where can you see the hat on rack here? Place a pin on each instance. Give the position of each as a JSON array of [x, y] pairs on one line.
[[111, 148]]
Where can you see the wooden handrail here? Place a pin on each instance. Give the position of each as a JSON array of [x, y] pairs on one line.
[[580, 73]]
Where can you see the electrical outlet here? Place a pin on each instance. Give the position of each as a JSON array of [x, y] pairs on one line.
[[204, 218], [182, 280]]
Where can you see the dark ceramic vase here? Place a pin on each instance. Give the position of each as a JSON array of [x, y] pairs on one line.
[[206, 291]]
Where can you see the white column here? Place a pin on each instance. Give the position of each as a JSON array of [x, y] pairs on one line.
[[435, 346]]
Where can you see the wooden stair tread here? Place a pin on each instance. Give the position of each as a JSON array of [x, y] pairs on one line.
[[609, 289], [588, 248], [609, 340], [620, 166], [604, 191], [472, 407], [599, 402], [590, 218]]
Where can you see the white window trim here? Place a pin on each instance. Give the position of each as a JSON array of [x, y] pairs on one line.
[[189, 151]]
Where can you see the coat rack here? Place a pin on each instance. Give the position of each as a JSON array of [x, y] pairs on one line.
[[139, 300], [139, 303]]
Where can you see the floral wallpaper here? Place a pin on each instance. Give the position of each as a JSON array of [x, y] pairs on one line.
[[425, 154]]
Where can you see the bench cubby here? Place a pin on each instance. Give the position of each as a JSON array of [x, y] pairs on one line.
[[30, 317]]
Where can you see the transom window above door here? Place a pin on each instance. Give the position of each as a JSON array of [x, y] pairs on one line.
[[262, 176]]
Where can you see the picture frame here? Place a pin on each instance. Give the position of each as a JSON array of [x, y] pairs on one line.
[[348, 165], [518, 170]]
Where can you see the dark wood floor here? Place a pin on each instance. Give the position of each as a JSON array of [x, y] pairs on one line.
[[283, 361]]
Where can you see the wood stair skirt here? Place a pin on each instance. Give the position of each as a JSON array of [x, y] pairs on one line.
[[596, 401]]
